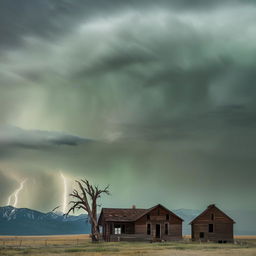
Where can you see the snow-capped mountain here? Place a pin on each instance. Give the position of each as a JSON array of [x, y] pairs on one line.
[[23, 221]]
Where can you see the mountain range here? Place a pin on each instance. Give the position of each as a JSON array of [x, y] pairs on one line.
[[24, 221]]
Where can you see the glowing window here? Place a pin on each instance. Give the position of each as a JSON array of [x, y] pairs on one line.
[[118, 231]]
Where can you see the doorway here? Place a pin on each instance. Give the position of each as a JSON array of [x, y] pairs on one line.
[[158, 231]]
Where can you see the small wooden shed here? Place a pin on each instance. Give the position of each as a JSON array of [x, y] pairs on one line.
[[132, 224], [212, 225]]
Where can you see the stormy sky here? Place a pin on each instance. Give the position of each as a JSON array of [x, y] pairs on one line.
[[155, 98]]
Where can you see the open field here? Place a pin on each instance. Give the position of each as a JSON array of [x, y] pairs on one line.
[[77, 245]]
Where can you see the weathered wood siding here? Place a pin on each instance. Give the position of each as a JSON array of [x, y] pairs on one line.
[[222, 227], [158, 216], [137, 230]]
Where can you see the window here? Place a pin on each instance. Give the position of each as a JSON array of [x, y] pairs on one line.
[[117, 230], [167, 216], [201, 235], [148, 229], [210, 228], [166, 228], [148, 216], [212, 216], [158, 211]]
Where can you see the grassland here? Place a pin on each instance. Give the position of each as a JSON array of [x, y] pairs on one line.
[[79, 245]]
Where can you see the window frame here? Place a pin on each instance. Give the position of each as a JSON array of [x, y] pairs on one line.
[[117, 230]]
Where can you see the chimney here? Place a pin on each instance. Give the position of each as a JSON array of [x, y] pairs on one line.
[[134, 207]]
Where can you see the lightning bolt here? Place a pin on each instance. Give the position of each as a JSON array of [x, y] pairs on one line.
[[15, 195], [9, 199], [65, 193]]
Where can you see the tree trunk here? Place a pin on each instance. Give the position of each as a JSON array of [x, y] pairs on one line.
[[95, 235], [95, 228], [81, 202]]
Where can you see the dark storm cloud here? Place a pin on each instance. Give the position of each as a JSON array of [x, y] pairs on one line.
[[179, 75], [35, 139], [51, 18], [37, 17], [161, 59], [118, 59], [167, 85], [6, 185]]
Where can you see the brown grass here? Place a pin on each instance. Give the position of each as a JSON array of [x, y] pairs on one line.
[[245, 237], [78, 245], [236, 237]]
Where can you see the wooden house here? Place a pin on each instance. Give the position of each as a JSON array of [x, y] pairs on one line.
[[212, 225], [154, 224]]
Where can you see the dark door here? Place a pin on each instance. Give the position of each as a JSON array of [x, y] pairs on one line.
[[158, 231]]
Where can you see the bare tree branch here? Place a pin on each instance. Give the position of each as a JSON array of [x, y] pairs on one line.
[[54, 209], [81, 201]]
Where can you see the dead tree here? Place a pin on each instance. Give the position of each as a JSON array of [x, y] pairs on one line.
[[86, 199]]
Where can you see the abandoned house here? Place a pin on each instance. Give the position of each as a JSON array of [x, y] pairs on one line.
[[212, 225], [157, 223]]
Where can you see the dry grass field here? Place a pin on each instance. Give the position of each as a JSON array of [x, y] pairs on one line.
[[78, 245]]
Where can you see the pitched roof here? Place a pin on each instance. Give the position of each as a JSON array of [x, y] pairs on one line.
[[122, 214], [159, 205], [128, 215], [211, 206]]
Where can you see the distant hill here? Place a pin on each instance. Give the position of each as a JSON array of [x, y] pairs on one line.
[[187, 215], [23, 221]]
